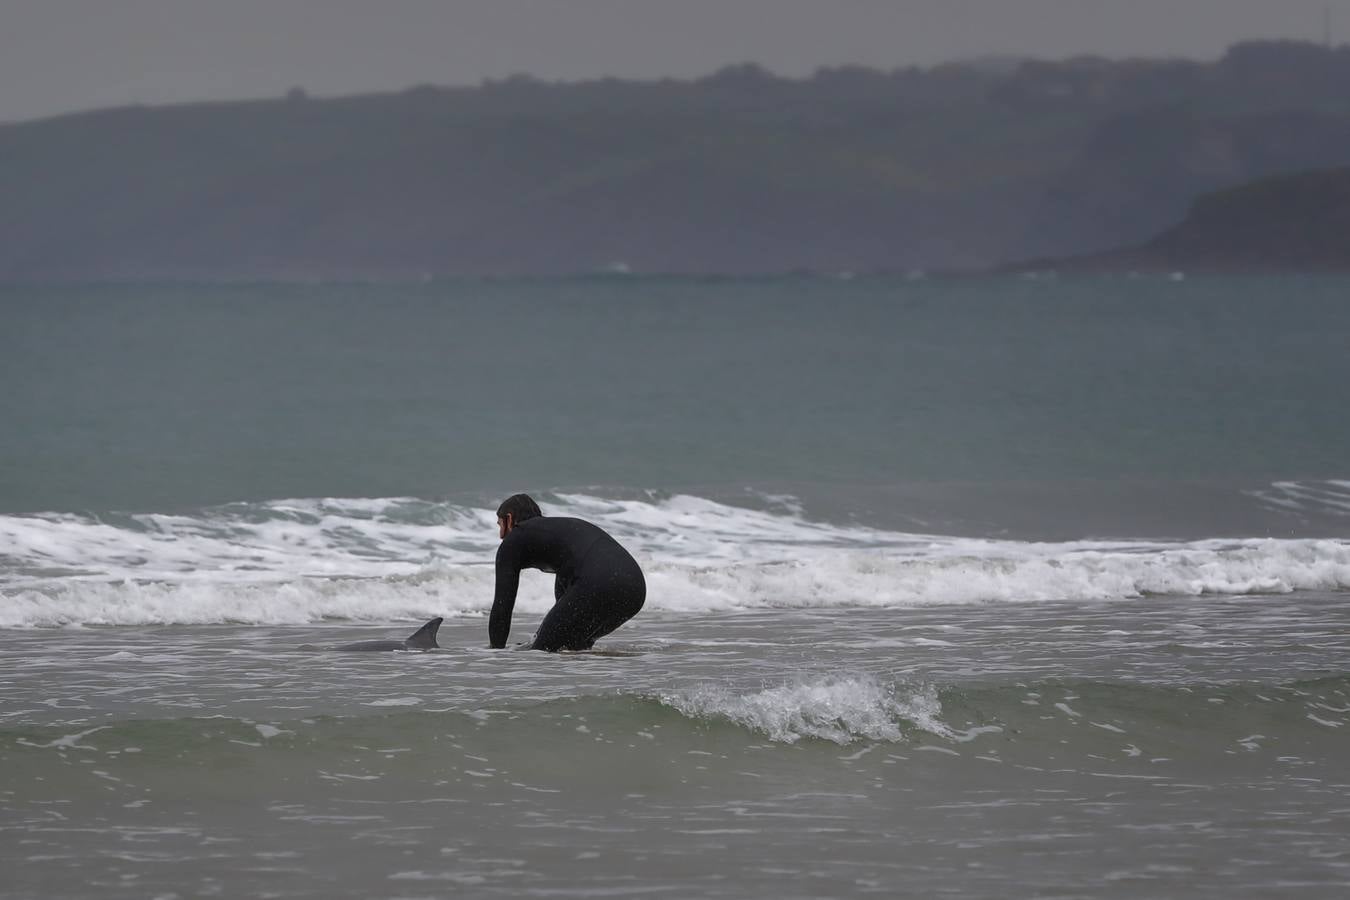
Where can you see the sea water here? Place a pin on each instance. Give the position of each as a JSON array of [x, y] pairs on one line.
[[980, 587]]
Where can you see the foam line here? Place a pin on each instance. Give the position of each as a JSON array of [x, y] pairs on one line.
[[296, 561]]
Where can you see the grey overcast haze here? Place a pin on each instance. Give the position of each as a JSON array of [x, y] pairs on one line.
[[60, 56]]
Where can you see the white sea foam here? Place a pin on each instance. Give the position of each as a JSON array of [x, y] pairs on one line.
[[841, 710], [1324, 497], [294, 561]]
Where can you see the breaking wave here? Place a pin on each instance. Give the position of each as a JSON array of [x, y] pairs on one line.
[[297, 561], [834, 709], [1123, 719]]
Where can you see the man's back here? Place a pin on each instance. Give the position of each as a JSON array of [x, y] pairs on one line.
[[551, 543]]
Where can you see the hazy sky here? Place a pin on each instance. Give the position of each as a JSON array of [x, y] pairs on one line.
[[63, 55]]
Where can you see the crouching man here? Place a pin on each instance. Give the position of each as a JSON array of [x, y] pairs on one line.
[[599, 585]]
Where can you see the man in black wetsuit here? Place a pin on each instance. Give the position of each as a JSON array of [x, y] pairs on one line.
[[599, 585]]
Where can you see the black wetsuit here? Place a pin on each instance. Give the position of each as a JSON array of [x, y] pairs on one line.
[[599, 585]]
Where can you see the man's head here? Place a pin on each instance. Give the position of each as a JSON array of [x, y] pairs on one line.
[[516, 509]]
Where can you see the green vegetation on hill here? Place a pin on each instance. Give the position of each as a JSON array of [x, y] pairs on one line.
[[851, 169]]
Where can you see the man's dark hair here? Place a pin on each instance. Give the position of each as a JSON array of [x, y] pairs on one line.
[[520, 507]]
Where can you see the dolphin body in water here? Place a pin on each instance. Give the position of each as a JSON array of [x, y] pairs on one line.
[[423, 638]]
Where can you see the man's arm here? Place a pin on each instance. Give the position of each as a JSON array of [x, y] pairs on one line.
[[504, 599]]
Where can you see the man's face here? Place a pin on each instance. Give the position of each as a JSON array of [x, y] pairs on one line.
[[503, 526]]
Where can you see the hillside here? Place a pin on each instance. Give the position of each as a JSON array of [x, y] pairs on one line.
[[742, 171], [1298, 222]]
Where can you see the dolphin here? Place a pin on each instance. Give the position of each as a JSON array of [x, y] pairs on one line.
[[423, 638]]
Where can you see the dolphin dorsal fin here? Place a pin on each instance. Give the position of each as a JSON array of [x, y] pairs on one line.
[[424, 638]]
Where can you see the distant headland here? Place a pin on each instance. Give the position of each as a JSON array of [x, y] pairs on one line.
[[1298, 222]]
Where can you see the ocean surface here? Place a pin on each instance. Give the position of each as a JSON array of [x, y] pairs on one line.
[[979, 587]]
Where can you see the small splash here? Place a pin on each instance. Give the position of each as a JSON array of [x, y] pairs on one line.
[[841, 710], [66, 741]]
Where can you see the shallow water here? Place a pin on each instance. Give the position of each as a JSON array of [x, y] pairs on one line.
[[1141, 748], [973, 587]]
